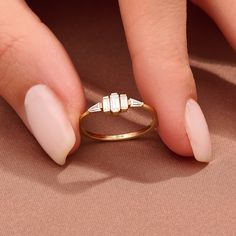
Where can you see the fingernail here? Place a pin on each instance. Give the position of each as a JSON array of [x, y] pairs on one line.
[[197, 131], [49, 122]]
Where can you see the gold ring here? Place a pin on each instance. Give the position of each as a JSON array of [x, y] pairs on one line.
[[114, 104]]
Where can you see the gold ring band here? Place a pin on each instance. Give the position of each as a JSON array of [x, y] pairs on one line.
[[115, 104]]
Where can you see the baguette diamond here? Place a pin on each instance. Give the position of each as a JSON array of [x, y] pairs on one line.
[[115, 102], [124, 102], [106, 104]]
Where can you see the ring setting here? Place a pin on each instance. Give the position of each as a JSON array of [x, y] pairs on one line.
[[115, 104]]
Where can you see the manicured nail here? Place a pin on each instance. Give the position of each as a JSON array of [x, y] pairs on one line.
[[49, 122], [197, 131]]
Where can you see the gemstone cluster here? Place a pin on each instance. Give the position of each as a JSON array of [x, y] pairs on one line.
[[115, 103]]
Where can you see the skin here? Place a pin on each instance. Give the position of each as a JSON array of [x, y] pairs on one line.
[[160, 62]]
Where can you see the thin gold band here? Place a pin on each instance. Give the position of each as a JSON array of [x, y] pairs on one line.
[[123, 136]]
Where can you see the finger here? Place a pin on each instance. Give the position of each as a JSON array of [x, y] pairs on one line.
[[156, 35], [39, 81], [224, 14]]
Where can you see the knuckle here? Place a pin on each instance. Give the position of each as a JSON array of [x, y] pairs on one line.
[[7, 42], [8, 45]]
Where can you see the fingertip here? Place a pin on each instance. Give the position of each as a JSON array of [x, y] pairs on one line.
[[49, 122], [176, 140], [172, 128], [168, 90]]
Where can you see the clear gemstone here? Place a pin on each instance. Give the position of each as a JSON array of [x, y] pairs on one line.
[[115, 102], [123, 102], [95, 108], [135, 103], [106, 104]]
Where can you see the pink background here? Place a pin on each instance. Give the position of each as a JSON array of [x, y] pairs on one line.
[[136, 187]]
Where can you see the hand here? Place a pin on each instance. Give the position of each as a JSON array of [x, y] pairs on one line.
[[39, 81]]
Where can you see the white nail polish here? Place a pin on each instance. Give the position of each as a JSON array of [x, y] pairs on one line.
[[49, 122], [197, 131]]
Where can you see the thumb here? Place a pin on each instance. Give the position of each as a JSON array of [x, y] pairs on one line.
[[39, 81]]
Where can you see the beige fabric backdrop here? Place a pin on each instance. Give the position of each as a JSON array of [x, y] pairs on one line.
[[129, 188]]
